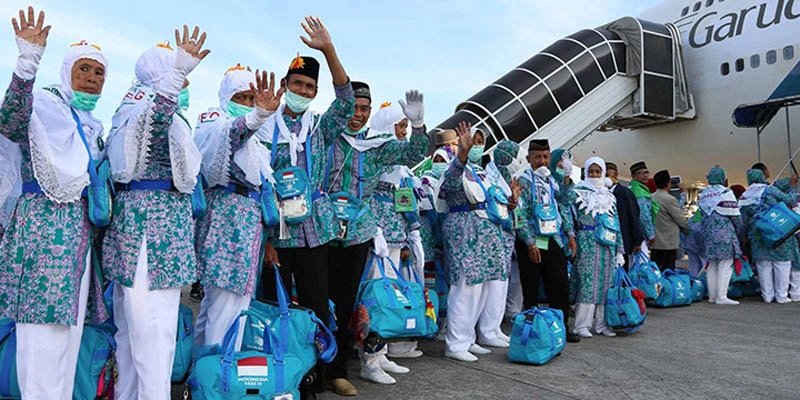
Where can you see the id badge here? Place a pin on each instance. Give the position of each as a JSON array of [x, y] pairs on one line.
[[548, 227], [294, 207], [502, 211], [611, 237], [404, 200]]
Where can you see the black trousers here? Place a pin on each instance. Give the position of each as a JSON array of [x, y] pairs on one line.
[[664, 258], [345, 266], [553, 273], [309, 266]]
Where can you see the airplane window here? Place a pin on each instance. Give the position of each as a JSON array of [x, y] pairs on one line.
[[772, 56], [755, 61], [696, 7], [725, 69], [709, 3], [685, 11], [739, 65], [788, 52]]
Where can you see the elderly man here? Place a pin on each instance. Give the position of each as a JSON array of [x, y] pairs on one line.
[[628, 211], [670, 220]]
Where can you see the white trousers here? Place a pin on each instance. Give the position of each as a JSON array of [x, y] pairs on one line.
[[147, 322], [774, 279], [465, 303], [718, 278], [47, 354], [794, 283], [492, 314], [514, 298], [218, 310], [588, 316]]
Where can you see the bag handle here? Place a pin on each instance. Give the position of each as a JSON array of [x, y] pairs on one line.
[[404, 285], [329, 354]]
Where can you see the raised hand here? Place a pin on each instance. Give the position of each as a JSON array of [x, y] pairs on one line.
[[33, 32], [318, 36], [516, 190], [414, 108], [192, 45], [266, 98], [464, 131]]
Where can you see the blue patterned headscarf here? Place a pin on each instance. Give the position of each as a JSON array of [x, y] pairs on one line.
[[784, 184], [505, 152], [716, 176], [755, 176]]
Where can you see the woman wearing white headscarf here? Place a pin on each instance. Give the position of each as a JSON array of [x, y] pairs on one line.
[[397, 235], [148, 251], [477, 251], [230, 234], [45, 251], [597, 258]]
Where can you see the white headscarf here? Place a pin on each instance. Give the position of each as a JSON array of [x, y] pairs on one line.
[[593, 198], [386, 118], [212, 136], [59, 157], [440, 205], [129, 140]]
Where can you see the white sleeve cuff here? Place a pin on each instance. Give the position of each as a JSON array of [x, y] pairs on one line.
[[254, 119], [28, 60]]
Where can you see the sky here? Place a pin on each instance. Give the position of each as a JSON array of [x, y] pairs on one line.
[[447, 49]]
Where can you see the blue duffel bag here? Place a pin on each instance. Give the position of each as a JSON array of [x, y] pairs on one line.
[[249, 374], [623, 309], [182, 362], [646, 275], [776, 224], [306, 336], [397, 308], [675, 290], [94, 376], [697, 286], [537, 335], [9, 388]]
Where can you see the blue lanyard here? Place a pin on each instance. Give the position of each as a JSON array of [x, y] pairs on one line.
[[82, 134], [307, 146], [360, 176]]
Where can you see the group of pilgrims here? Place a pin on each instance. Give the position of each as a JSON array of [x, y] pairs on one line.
[[469, 217]]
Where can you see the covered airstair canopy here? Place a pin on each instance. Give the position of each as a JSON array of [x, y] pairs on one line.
[[626, 74]]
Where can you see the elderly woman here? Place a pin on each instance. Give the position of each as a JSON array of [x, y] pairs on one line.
[[721, 223], [148, 251], [789, 186], [45, 251], [773, 264], [600, 249], [230, 235], [479, 260]]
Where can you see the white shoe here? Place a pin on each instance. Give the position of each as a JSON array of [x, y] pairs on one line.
[[408, 354], [727, 302], [584, 333], [496, 342], [607, 332], [377, 375], [460, 355], [391, 366], [795, 298], [476, 349], [712, 300], [502, 336], [783, 301]]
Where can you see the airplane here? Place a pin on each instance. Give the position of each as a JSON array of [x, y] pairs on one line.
[[730, 53]]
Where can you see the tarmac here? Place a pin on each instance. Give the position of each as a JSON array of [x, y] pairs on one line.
[[702, 351]]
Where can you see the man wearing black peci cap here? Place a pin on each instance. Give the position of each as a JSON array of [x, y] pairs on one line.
[[647, 208], [298, 140], [540, 244], [628, 211], [670, 220], [355, 160]]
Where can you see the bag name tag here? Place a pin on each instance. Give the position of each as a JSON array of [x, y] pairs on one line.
[[610, 236], [411, 323], [404, 200], [502, 210], [294, 207], [548, 227], [283, 396]]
